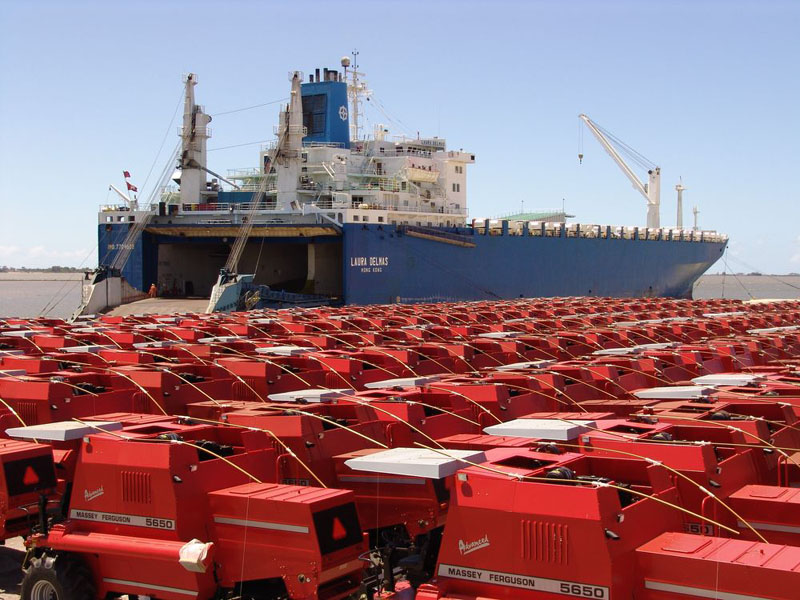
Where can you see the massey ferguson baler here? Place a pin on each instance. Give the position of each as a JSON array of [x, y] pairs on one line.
[[28, 474], [175, 511], [529, 524]]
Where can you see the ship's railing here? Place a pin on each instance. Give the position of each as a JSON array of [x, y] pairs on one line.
[[441, 210], [139, 209], [254, 187], [361, 150], [217, 207], [323, 145], [592, 231], [198, 131], [245, 173], [544, 213]]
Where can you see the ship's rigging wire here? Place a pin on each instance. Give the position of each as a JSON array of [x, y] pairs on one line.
[[239, 145], [382, 109], [634, 155], [760, 272], [476, 284], [238, 110], [244, 108], [50, 305], [735, 276], [163, 141]]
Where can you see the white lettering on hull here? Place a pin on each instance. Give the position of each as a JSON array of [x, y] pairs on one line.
[[369, 264]]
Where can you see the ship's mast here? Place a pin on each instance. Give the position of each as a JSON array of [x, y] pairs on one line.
[[680, 189], [355, 90], [194, 134]]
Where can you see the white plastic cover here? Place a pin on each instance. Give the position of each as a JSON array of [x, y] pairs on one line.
[[310, 395], [632, 349], [21, 333], [220, 339], [61, 431], [194, 555], [541, 429], [719, 379], [501, 335], [528, 364], [403, 382], [416, 462], [91, 348], [285, 350], [674, 392]]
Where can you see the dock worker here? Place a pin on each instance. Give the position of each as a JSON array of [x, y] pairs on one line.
[[153, 291]]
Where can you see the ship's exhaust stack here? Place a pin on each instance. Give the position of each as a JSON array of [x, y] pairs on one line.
[[194, 135]]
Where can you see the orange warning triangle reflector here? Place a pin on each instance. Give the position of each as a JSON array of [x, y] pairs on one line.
[[30, 477], [339, 532]]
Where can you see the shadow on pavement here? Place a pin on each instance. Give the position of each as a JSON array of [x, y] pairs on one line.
[[10, 570]]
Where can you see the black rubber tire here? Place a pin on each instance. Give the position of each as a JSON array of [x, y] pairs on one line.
[[68, 576]]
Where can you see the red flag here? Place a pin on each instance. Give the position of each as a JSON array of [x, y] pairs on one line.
[[126, 173], [131, 187]]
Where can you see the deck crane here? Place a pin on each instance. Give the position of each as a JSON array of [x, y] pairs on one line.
[[650, 190], [286, 152]]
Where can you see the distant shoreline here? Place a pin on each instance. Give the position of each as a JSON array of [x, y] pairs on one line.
[[40, 276]]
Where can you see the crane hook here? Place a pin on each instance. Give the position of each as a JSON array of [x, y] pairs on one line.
[[580, 158]]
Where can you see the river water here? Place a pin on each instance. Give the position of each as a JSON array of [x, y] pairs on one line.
[[58, 294]]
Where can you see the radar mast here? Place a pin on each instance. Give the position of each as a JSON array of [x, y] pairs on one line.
[[356, 88]]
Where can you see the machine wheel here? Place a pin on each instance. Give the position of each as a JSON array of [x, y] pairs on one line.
[[57, 578]]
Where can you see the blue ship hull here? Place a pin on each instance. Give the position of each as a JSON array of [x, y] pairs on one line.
[[402, 268], [386, 263]]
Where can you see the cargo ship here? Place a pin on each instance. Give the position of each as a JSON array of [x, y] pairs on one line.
[[334, 216]]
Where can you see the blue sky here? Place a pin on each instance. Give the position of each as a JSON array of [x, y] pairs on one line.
[[707, 90]]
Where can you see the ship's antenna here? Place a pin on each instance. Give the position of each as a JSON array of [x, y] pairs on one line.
[[355, 90]]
